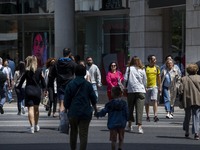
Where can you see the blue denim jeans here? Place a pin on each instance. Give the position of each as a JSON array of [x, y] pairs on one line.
[[2, 96], [166, 98], [94, 85], [20, 98], [8, 92], [195, 119]]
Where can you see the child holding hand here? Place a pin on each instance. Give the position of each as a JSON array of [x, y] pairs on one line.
[[117, 110]]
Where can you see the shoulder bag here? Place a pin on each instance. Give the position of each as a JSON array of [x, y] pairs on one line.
[[64, 120], [119, 82], [125, 91], [193, 83]]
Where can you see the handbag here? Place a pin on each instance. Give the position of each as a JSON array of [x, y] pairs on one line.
[[45, 100], [193, 83], [125, 90], [120, 84], [64, 120]]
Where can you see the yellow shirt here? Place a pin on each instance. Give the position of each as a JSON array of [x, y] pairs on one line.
[[152, 73]]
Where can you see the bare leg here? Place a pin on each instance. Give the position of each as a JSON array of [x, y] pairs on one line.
[[155, 108], [61, 104], [147, 109], [36, 114], [31, 116], [139, 126]]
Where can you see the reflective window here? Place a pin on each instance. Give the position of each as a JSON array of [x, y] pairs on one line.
[[9, 39], [32, 6], [8, 7], [26, 6], [105, 39], [116, 34]]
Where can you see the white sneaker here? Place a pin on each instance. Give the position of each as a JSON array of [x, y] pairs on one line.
[[130, 129], [169, 116], [140, 130], [32, 130], [37, 128]]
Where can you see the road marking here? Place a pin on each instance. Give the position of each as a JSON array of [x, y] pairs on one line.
[[94, 123], [46, 121]]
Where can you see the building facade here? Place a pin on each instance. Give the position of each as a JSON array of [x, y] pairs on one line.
[[107, 30], [20, 21]]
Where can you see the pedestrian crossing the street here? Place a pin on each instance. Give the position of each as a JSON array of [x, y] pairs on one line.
[[15, 132], [10, 118]]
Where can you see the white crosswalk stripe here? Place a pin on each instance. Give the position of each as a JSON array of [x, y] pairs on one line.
[[10, 118]]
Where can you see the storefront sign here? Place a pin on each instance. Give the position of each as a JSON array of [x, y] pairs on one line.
[[165, 3], [111, 4]]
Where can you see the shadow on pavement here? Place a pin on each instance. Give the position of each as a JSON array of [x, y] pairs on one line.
[[174, 137], [99, 146]]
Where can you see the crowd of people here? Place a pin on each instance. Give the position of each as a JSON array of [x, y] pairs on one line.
[[73, 84]]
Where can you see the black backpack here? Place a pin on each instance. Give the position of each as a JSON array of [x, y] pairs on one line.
[[3, 77]]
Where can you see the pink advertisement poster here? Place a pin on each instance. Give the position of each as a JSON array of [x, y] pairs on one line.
[[40, 47]]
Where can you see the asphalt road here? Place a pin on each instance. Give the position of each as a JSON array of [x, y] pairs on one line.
[[167, 134]]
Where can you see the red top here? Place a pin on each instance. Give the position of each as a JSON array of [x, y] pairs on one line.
[[112, 79]]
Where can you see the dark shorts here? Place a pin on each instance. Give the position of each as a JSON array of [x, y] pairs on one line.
[[60, 94], [115, 132], [32, 102]]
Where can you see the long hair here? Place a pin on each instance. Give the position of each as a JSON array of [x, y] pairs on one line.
[[31, 63], [21, 67], [113, 62], [49, 62], [135, 61]]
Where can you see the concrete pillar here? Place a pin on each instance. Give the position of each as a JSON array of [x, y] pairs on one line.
[[192, 51], [167, 35], [145, 30], [64, 17]]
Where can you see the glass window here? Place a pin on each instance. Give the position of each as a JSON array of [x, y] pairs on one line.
[[105, 39], [8, 39], [8, 7], [26, 6], [116, 37]]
